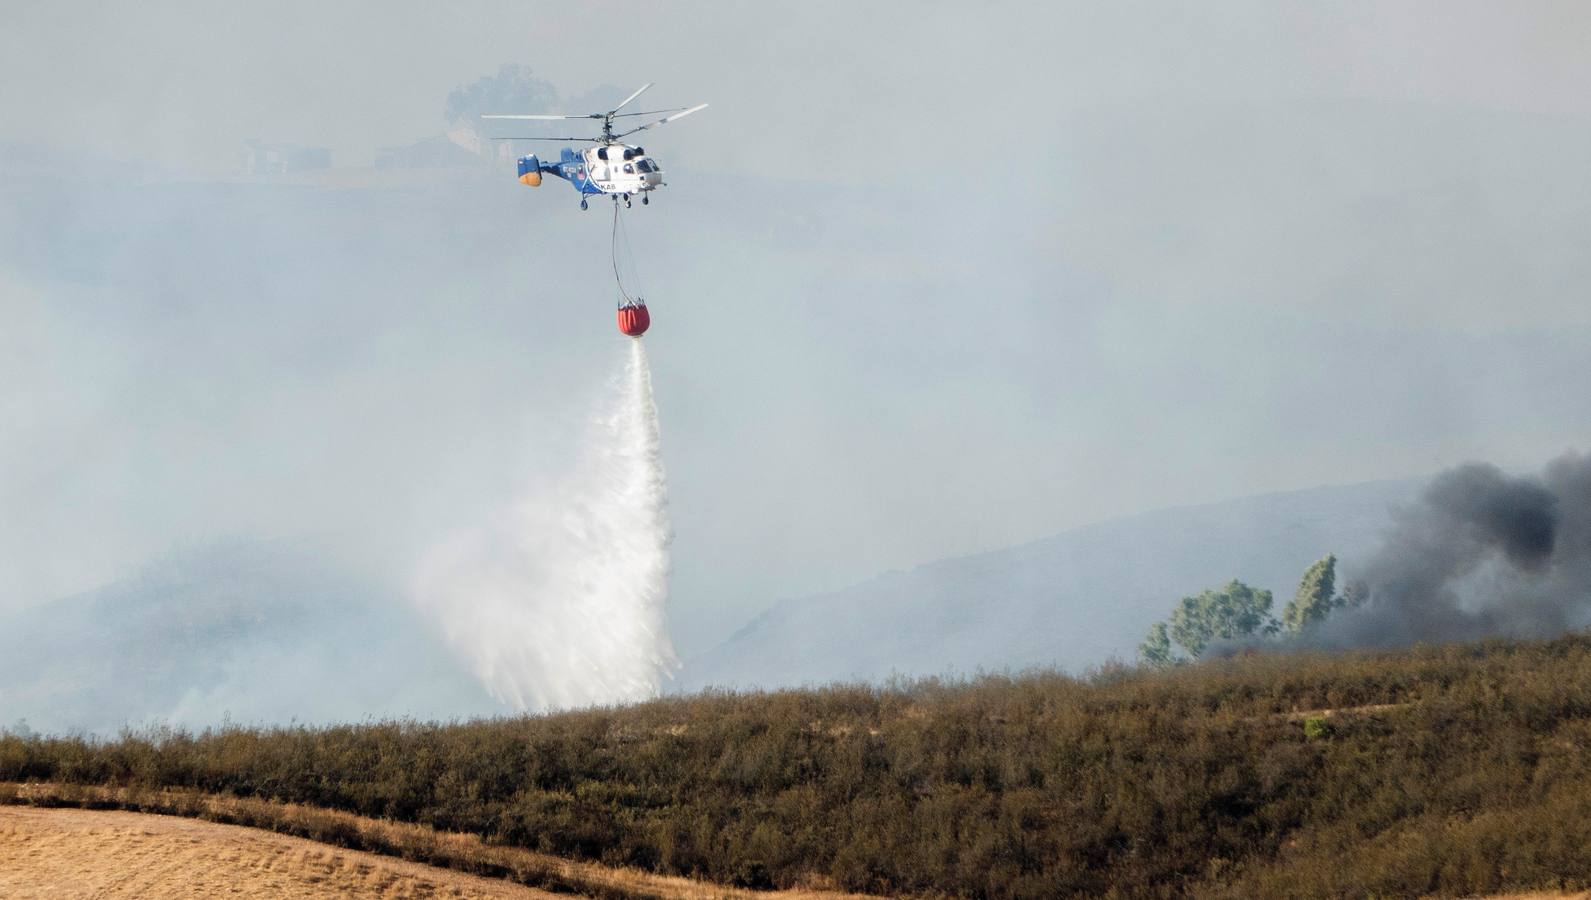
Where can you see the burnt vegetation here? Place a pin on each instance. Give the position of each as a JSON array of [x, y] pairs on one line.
[[1445, 770]]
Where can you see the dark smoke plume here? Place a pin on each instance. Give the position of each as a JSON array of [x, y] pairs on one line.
[[1481, 553]]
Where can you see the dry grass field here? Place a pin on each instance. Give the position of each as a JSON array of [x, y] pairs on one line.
[[73, 840], [108, 854], [1436, 771], [65, 853]]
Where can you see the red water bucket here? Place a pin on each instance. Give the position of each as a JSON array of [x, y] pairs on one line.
[[634, 320]]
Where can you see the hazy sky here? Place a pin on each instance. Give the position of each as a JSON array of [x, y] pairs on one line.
[[929, 278]]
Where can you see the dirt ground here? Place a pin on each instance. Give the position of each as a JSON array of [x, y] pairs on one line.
[[66, 853]]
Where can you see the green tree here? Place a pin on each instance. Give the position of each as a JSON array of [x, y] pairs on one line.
[[1315, 598], [1235, 611], [1156, 648]]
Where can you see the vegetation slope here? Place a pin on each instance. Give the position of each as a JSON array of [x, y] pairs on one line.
[[1446, 770]]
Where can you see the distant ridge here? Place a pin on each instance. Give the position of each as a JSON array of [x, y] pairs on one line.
[[242, 632], [264, 633], [1074, 600]]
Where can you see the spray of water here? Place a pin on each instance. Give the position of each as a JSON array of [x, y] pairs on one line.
[[559, 604]]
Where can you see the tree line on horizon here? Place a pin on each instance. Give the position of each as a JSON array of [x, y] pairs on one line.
[[1238, 612]]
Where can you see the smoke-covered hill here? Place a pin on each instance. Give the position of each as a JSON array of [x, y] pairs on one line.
[[1074, 600], [242, 632], [266, 634]]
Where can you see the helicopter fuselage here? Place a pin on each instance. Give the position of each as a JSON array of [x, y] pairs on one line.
[[615, 168], [611, 167]]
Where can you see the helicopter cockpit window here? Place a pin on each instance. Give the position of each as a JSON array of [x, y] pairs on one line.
[[644, 165], [629, 169]]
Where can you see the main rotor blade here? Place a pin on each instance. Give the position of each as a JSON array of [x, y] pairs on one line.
[[678, 115], [586, 116], [593, 140], [631, 97], [650, 112]]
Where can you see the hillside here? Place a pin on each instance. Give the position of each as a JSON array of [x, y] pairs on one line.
[[250, 633], [1078, 599], [268, 633], [1445, 771]]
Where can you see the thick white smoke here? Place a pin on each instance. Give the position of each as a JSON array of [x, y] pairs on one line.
[[560, 603]]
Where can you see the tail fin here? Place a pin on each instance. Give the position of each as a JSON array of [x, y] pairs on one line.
[[530, 171]]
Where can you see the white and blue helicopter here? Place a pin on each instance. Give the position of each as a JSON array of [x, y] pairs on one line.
[[612, 167]]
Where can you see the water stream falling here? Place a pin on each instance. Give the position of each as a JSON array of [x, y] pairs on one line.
[[560, 603]]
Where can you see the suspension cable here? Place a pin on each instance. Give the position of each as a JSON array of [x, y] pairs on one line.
[[620, 235], [614, 241]]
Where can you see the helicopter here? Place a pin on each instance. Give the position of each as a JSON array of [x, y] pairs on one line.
[[612, 167]]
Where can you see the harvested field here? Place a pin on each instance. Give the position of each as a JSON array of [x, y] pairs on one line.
[[440, 857], [64, 853]]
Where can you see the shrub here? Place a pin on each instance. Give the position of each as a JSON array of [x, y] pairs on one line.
[[1437, 775]]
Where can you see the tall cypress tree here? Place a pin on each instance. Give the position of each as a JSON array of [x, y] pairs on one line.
[[1314, 600]]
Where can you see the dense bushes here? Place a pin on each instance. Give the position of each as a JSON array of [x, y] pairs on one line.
[[1458, 778]]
